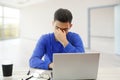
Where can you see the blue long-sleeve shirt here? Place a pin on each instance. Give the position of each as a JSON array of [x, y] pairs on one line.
[[47, 46]]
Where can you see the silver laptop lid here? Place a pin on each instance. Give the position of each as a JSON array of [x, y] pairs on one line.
[[72, 66]]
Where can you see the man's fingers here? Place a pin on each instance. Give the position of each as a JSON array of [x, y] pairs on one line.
[[63, 31]]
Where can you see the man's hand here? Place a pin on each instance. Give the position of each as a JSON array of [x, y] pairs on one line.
[[51, 65], [60, 35]]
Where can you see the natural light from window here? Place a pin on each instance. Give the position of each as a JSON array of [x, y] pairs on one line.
[[9, 23]]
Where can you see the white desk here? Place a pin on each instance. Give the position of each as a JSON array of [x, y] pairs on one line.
[[103, 74], [109, 74]]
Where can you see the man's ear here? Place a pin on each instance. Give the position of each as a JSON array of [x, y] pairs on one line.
[[70, 25]]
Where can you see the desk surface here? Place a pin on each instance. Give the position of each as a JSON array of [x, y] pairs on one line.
[[103, 74], [109, 74]]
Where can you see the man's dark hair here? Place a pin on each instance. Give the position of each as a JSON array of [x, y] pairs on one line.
[[63, 15]]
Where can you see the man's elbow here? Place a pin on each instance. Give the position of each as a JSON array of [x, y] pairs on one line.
[[32, 64]]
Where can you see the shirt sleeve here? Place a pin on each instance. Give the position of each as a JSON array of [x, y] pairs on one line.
[[75, 44], [38, 53]]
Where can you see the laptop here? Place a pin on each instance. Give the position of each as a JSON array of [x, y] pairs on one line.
[[75, 66]]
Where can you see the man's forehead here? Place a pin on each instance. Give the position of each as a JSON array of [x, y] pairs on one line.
[[62, 25]]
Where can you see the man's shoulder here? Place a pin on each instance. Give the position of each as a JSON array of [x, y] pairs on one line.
[[46, 36], [73, 34]]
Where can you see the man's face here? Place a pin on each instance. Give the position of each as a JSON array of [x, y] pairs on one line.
[[62, 25]]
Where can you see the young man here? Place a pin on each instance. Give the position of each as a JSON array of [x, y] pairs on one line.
[[60, 41]]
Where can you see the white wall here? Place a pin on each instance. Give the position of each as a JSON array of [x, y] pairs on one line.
[[117, 29], [102, 29], [36, 19], [102, 22]]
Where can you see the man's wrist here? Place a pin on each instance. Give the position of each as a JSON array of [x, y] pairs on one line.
[[65, 43]]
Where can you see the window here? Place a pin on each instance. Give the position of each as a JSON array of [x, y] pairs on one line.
[[9, 22]]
